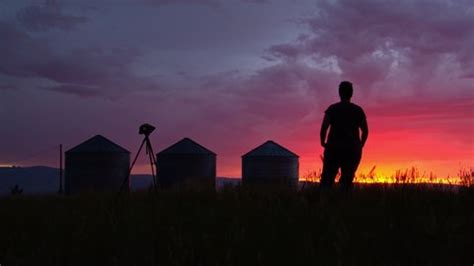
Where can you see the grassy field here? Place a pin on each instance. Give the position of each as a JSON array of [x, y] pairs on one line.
[[373, 225]]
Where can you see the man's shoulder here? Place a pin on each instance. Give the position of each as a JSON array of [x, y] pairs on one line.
[[355, 106], [344, 105], [332, 108]]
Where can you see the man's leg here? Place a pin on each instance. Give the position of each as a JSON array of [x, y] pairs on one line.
[[330, 167], [349, 164]]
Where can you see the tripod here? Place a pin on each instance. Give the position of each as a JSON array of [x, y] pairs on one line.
[[146, 130]]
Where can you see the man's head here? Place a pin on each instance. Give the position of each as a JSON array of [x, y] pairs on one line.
[[345, 90]]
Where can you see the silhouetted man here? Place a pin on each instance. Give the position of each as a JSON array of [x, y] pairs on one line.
[[343, 148]]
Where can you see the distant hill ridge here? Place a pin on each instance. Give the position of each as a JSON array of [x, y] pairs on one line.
[[45, 180]]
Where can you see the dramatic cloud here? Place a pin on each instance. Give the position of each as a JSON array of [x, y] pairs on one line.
[[380, 43], [100, 72]]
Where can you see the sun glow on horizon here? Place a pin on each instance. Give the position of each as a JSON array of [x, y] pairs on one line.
[[407, 176]]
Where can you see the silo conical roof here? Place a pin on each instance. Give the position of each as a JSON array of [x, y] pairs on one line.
[[98, 143], [186, 146], [271, 149]]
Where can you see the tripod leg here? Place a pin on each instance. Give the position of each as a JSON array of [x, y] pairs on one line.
[[151, 165], [153, 171], [152, 154], [151, 157], [153, 161], [127, 179]]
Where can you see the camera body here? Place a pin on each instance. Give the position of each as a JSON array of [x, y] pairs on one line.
[[146, 129]]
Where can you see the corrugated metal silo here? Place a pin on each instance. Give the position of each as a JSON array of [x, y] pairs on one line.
[[270, 163], [186, 163], [97, 164]]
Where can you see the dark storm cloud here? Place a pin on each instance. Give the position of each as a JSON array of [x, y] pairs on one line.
[[371, 40], [46, 17], [107, 71]]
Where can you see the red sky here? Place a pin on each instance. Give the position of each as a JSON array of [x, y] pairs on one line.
[[233, 74]]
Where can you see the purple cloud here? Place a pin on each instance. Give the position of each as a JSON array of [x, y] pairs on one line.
[[374, 40], [105, 70]]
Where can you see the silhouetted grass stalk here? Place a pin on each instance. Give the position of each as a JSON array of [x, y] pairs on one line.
[[412, 175]]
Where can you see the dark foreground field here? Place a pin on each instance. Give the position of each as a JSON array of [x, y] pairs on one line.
[[376, 225]]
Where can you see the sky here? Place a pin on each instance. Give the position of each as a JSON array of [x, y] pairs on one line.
[[231, 74]]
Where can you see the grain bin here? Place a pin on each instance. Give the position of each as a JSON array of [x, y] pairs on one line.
[[97, 164], [186, 163], [270, 163]]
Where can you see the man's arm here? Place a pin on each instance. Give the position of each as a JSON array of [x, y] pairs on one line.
[[365, 131], [324, 129]]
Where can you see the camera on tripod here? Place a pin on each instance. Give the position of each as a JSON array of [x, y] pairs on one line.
[[146, 129]]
